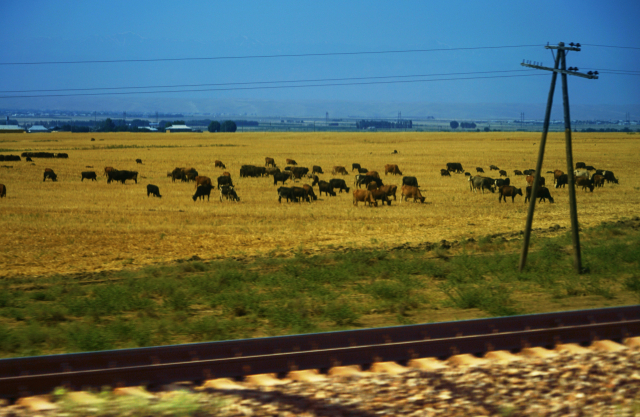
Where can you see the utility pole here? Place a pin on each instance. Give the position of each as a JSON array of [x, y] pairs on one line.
[[560, 61]]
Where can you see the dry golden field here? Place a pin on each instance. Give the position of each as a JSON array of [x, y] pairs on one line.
[[71, 226]]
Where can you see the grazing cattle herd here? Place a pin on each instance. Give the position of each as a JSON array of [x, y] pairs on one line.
[[368, 186]]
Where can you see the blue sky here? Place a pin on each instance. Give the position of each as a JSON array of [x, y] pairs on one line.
[[107, 30]]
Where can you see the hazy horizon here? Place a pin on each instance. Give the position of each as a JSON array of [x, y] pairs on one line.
[[284, 54]]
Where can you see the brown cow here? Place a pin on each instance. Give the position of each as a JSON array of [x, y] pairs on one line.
[[3, 190], [339, 170], [219, 164], [269, 162], [585, 183], [365, 196], [226, 174], [372, 186], [530, 179], [598, 180], [379, 194], [107, 170], [202, 180], [291, 162], [390, 190], [392, 168], [309, 191], [509, 191], [556, 175], [373, 174], [445, 172], [409, 191]]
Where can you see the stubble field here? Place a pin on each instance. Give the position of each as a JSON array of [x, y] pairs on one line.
[[71, 226]]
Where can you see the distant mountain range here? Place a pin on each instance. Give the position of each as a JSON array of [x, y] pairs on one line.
[[239, 108]]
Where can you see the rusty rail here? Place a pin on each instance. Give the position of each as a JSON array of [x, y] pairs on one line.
[[236, 358]]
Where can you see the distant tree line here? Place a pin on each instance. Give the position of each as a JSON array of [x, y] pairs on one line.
[[465, 125], [383, 124], [225, 126]]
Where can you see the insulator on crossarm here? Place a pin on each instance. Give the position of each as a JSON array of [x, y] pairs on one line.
[[571, 44], [595, 73], [578, 45]]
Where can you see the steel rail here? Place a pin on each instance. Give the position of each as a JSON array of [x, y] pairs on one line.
[[237, 358]]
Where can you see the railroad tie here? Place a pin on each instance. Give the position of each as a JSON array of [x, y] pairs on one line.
[[388, 368], [502, 356], [607, 346]]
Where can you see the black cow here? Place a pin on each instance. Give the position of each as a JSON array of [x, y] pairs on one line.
[[367, 179], [562, 180], [609, 177], [339, 183], [478, 169], [517, 172], [500, 182], [599, 172], [316, 170], [580, 165], [363, 170], [325, 187], [153, 190], [252, 171], [48, 173], [543, 194], [62, 155], [529, 172], [229, 193], [203, 190], [90, 175], [503, 173], [355, 166], [299, 172], [138, 161], [493, 168], [122, 176], [280, 177], [590, 168], [316, 180], [453, 166], [413, 181], [29, 159], [285, 192], [224, 180]]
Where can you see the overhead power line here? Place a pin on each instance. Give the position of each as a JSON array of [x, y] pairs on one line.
[[263, 82], [271, 87], [611, 46], [400, 51]]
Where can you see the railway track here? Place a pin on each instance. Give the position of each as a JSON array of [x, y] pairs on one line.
[[157, 366]]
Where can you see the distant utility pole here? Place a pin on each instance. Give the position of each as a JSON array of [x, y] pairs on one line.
[[522, 120], [560, 61], [327, 118]]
